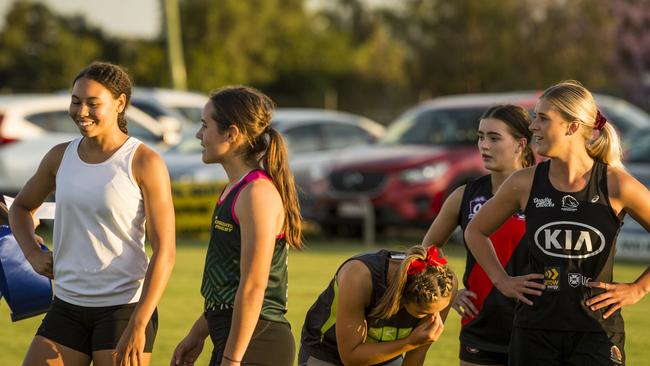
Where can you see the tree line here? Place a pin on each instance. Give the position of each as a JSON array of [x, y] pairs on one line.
[[345, 54]]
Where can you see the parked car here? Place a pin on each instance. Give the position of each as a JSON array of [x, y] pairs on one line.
[[185, 106], [426, 153], [634, 241], [30, 125], [25, 116], [313, 137]]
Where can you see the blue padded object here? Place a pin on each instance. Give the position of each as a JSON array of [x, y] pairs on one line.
[[27, 293]]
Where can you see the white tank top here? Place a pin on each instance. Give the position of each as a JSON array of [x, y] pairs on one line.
[[99, 255]]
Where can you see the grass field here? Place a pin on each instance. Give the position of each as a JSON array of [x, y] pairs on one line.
[[310, 271]]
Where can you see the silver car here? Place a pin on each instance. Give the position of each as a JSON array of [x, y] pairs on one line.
[[314, 137], [30, 125], [634, 240]]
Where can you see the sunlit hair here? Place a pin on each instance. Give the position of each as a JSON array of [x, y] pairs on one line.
[[115, 79], [426, 287], [576, 104], [518, 120], [251, 111]]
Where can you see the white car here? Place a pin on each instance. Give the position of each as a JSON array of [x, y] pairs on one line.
[[30, 125], [314, 137], [183, 105], [26, 116]]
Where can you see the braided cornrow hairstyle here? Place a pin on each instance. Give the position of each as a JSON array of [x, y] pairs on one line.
[[115, 79], [426, 287]]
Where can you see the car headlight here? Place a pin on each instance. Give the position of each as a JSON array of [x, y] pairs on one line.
[[424, 173]]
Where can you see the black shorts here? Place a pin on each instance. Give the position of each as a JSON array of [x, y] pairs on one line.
[[89, 329], [480, 356], [529, 347], [271, 344]]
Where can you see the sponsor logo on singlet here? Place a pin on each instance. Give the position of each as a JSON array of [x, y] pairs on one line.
[[387, 334], [520, 215], [543, 202], [577, 279], [223, 226], [615, 355], [552, 278], [568, 239], [475, 205], [569, 203]]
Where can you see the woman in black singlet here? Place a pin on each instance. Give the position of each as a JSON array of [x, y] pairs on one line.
[[570, 309], [378, 307], [487, 315]]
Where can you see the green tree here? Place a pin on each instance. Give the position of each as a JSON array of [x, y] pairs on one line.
[[40, 51]]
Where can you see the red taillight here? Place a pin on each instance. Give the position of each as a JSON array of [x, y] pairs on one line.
[[4, 139]]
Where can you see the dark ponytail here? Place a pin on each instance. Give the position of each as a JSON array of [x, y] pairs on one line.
[[251, 110]]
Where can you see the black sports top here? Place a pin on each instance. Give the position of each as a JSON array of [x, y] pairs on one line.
[[222, 263], [318, 337], [572, 238], [491, 329]]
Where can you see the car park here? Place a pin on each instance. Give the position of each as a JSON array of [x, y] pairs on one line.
[[30, 125], [313, 138], [426, 153], [186, 106], [633, 241]]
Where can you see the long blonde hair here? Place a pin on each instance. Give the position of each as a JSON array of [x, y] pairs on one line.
[[576, 104], [425, 287], [251, 110]]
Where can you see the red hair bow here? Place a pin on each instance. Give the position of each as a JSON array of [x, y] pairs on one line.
[[433, 259], [600, 121]]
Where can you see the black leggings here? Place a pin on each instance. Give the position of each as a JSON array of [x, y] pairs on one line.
[[272, 343]]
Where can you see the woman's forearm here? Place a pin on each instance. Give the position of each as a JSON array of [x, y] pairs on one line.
[[21, 222], [248, 305], [156, 279], [483, 250], [374, 353]]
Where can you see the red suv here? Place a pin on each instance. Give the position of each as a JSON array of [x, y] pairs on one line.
[[426, 153]]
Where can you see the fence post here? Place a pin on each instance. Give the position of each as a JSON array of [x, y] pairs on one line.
[[368, 222]]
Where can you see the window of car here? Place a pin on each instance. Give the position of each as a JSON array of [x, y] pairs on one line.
[[148, 108], [138, 131], [639, 149], [340, 135], [192, 114], [53, 121], [305, 138], [449, 126]]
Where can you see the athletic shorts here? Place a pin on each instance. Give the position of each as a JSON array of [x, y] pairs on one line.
[[530, 347], [481, 357], [89, 329], [272, 343], [305, 359]]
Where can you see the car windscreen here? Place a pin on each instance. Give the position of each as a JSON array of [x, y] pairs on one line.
[[639, 149], [626, 117], [444, 126]]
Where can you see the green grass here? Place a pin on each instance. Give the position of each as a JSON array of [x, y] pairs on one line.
[[310, 271]]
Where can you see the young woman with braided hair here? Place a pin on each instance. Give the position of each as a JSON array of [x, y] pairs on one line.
[[574, 205], [255, 220], [486, 314], [110, 191], [381, 308]]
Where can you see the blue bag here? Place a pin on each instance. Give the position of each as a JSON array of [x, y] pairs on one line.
[[27, 293]]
